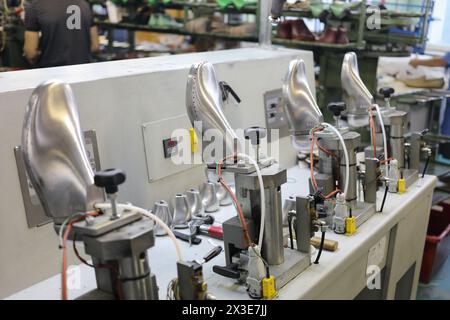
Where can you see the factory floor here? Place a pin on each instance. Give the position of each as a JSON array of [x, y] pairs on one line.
[[439, 286]]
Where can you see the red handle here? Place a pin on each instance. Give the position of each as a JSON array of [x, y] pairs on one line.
[[216, 232]]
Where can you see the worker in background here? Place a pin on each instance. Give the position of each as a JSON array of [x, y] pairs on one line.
[[59, 32], [443, 61]]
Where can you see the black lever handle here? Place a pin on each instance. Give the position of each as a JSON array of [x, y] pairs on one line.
[[226, 89], [187, 238], [228, 272], [212, 254]]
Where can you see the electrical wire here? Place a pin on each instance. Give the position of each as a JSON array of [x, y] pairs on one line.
[[239, 210], [344, 147], [426, 166], [388, 160], [235, 200], [291, 234], [322, 242], [101, 266], [311, 164], [373, 133], [172, 290], [263, 261], [324, 150], [384, 198], [63, 227], [311, 159], [64, 257], [262, 195], [151, 216], [385, 145], [332, 194], [244, 157]]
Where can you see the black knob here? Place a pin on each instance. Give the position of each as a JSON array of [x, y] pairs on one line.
[[255, 134], [336, 108], [387, 92], [109, 179]]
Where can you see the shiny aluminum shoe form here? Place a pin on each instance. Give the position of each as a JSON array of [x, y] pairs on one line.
[[204, 104], [302, 111], [181, 212], [194, 200], [54, 153], [355, 94], [161, 210], [209, 197], [223, 196]]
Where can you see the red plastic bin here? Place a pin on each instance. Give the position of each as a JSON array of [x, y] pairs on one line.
[[437, 244]]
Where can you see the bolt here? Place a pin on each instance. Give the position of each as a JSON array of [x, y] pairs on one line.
[[115, 214]]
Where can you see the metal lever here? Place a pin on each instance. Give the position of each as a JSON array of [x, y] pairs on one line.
[[228, 272], [225, 88], [211, 255], [192, 239]]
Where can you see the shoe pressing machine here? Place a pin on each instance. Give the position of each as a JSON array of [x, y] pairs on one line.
[[117, 236]]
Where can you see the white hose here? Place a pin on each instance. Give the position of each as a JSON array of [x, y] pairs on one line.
[[262, 195], [148, 215], [383, 130], [344, 147]]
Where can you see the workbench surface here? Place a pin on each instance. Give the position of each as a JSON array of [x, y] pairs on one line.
[[314, 282]]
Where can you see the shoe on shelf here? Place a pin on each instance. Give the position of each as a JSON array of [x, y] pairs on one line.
[[342, 36], [246, 29], [301, 32], [329, 35], [199, 25], [284, 30], [298, 5]]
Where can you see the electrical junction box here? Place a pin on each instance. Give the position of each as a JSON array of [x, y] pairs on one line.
[[175, 155], [274, 113]]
